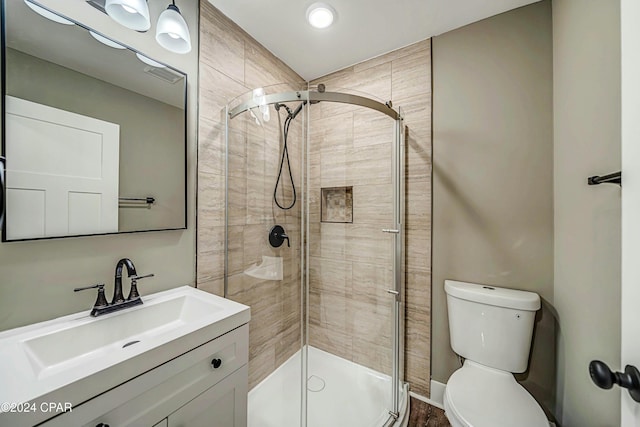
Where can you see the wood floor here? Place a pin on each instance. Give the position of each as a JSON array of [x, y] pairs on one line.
[[424, 415]]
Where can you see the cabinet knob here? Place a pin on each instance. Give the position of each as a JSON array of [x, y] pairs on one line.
[[102, 425], [216, 363]]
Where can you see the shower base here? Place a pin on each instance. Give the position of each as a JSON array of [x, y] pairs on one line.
[[340, 394]]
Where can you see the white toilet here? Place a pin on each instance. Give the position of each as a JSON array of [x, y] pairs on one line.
[[491, 328]]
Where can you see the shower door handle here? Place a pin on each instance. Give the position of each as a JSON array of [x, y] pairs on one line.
[[390, 230]]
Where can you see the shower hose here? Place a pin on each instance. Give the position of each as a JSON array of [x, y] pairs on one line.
[[285, 155]]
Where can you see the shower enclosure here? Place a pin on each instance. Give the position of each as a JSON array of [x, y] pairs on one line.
[[314, 244]]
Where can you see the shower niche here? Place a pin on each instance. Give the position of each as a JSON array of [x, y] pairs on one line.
[[337, 204], [330, 329]]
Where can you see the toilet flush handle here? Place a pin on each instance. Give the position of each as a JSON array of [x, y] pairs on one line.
[[604, 378]]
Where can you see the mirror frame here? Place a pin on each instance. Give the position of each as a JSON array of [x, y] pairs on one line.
[[3, 89]]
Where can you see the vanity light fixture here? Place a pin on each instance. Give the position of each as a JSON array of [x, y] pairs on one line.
[[172, 31], [49, 15], [133, 14], [320, 15], [108, 42], [149, 61]]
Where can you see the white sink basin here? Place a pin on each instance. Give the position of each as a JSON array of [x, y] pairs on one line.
[[41, 362], [68, 346]]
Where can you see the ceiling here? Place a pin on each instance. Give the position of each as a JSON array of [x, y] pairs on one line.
[[362, 30]]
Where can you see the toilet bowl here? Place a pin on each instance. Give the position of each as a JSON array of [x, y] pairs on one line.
[[478, 396], [491, 328]]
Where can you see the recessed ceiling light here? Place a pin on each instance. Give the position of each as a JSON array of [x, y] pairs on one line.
[[320, 15]]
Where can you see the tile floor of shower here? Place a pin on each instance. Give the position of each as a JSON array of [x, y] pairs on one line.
[[340, 393]]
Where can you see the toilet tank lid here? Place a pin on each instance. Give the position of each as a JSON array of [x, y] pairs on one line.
[[493, 295]]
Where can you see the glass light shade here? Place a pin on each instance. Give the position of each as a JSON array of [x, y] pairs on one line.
[[150, 61], [172, 31], [320, 15], [49, 15], [106, 41], [133, 14]]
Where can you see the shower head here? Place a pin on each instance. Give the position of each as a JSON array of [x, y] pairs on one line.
[[277, 107], [292, 114]]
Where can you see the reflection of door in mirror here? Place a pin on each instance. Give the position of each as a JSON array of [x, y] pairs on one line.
[[63, 173]]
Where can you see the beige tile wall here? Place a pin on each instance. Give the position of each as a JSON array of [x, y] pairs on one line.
[[349, 308], [231, 64], [350, 264]]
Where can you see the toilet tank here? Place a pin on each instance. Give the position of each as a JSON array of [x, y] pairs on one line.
[[490, 325]]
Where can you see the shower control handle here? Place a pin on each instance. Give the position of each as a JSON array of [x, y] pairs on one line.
[[277, 236], [284, 236]]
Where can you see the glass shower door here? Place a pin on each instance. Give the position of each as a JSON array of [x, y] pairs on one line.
[[263, 274], [325, 335], [354, 267]]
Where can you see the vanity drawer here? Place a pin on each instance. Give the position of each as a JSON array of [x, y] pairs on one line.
[[152, 396]]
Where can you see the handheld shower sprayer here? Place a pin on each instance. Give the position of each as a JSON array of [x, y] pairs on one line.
[[285, 153], [290, 114]]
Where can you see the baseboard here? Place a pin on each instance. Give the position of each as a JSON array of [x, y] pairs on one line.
[[437, 395]]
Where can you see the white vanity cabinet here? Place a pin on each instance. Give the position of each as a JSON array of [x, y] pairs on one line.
[[206, 386], [223, 405], [134, 367]]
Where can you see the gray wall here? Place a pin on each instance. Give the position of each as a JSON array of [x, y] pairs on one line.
[[586, 80], [36, 278], [151, 150], [492, 177]]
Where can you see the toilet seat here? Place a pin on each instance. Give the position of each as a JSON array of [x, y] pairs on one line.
[[479, 396]]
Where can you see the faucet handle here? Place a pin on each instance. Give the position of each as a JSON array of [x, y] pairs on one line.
[[142, 277], [101, 301], [84, 288], [133, 293]]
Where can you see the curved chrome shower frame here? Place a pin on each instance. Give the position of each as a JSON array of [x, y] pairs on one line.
[[397, 290], [313, 96]]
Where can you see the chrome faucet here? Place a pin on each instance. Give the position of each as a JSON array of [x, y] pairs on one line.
[[118, 302]]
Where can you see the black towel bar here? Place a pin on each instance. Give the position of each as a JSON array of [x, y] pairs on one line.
[[612, 178], [136, 202]]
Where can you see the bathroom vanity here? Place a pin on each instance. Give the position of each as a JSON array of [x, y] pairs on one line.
[[180, 359]]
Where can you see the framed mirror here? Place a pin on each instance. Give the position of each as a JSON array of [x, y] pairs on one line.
[[93, 132]]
